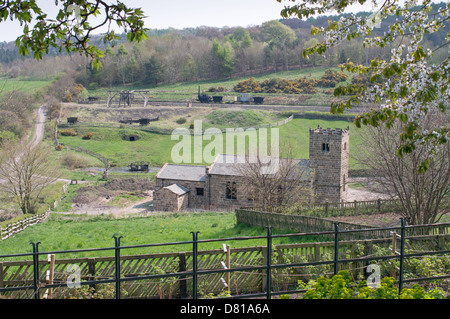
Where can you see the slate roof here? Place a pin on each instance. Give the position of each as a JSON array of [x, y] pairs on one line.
[[177, 189], [194, 173], [226, 164]]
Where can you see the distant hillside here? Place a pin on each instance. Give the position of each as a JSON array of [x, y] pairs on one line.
[[204, 53]]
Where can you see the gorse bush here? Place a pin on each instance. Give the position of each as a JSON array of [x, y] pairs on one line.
[[68, 132], [88, 136], [298, 86]]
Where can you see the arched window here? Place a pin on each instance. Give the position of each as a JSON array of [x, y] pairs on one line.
[[228, 191], [231, 190]]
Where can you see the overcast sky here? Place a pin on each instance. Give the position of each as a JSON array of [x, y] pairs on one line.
[[181, 14]]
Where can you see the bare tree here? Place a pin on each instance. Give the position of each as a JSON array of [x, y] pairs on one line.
[[423, 197], [24, 173], [276, 183]]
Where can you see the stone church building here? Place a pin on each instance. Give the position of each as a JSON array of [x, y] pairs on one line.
[[221, 187]]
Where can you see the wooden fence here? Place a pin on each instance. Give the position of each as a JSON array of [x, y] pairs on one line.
[[52, 270], [303, 224], [12, 229], [331, 209], [307, 224]]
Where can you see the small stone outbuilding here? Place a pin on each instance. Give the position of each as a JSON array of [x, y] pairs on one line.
[[171, 198]]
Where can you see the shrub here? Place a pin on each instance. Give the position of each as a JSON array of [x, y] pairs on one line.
[[364, 80], [88, 136], [181, 120], [106, 291], [309, 89], [68, 132], [7, 136], [217, 89], [248, 86], [73, 161], [54, 110], [327, 83], [341, 286], [296, 86], [59, 147]]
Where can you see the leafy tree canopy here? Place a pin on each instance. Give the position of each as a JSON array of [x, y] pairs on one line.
[[71, 29], [407, 87]]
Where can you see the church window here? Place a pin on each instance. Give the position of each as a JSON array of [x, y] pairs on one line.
[[231, 190]]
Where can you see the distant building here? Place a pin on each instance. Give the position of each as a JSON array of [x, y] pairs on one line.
[[221, 186]]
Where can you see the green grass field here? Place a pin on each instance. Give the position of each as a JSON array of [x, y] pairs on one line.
[[157, 148], [97, 232], [7, 85]]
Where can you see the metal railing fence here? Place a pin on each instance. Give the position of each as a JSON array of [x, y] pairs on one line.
[[267, 268]]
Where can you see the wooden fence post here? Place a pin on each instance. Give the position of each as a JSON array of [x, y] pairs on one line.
[[394, 250], [368, 248], [2, 275], [50, 275], [316, 252], [228, 264], [394, 243], [91, 271]]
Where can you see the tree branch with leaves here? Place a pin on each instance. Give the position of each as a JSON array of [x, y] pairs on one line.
[[71, 29], [406, 87]]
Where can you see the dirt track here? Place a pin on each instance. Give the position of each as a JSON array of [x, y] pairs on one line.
[[39, 126]]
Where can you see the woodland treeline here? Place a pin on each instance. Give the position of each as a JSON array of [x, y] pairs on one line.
[[203, 53]]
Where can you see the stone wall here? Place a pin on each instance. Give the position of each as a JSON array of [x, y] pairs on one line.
[[217, 185], [167, 201], [328, 155]]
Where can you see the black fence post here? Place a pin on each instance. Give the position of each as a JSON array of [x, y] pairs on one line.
[[402, 254], [194, 264], [182, 268], [336, 247], [36, 269], [269, 263], [117, 264]]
